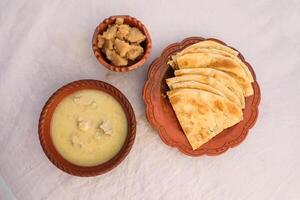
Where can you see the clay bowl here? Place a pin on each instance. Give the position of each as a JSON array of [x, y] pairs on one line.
[[45, 120], [133, 22], [162, 117]]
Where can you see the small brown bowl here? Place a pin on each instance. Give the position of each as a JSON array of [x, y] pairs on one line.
[[45, 122], [101, 57], [161, 116]]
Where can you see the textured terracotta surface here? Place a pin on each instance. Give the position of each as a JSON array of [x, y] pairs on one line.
[[45, 120], [147, 44], [162, 117]]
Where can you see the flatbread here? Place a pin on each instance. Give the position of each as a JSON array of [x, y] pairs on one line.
[[208, 81], [195, 49], [203, 60], [196, 85], [202, 115], [222, 77], [209, 44]]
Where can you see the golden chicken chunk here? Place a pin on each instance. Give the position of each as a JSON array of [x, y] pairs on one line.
[[123, 31], [119, 21], [100, 41], [108, 44], [134, 52], [115, 58], [135, 36], [121, 47], [110, 33]]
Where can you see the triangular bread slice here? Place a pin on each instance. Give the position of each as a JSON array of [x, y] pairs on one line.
[[209, 44], [202, 115], [196, 85], [196, 49], [225, 64], [214, 83], [222, 77], [206, 44]]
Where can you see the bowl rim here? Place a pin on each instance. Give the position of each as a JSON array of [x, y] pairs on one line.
[[44, 131], [126, 68], [149, 104]]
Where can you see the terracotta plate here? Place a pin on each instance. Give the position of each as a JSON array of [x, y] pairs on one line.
[[162, 117], [45, 120]]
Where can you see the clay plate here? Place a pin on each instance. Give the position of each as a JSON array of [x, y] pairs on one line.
[[162, 117], [133, 22], [45, 120]]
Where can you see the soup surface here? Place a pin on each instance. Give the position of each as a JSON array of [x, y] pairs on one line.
[[88, 127]]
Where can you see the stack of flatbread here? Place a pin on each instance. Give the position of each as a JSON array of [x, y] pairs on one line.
[[209, 89]]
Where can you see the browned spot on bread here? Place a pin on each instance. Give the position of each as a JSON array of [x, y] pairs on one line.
[[187, 130], [215, 76], [205, 133], [205, 79], [199, 136], [201, 108], [232, 109], [227, 63], [182, 62], [219, 105], [174, 100], [189, 116], [238, 78]]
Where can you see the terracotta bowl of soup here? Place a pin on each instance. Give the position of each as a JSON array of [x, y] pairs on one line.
[[87, 128]]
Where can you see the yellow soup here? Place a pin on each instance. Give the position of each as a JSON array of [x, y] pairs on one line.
[[88, 127]]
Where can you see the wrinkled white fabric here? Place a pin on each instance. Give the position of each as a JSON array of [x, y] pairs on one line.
[[46, 44]]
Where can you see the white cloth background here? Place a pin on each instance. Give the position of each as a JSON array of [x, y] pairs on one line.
[[46, 44]]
